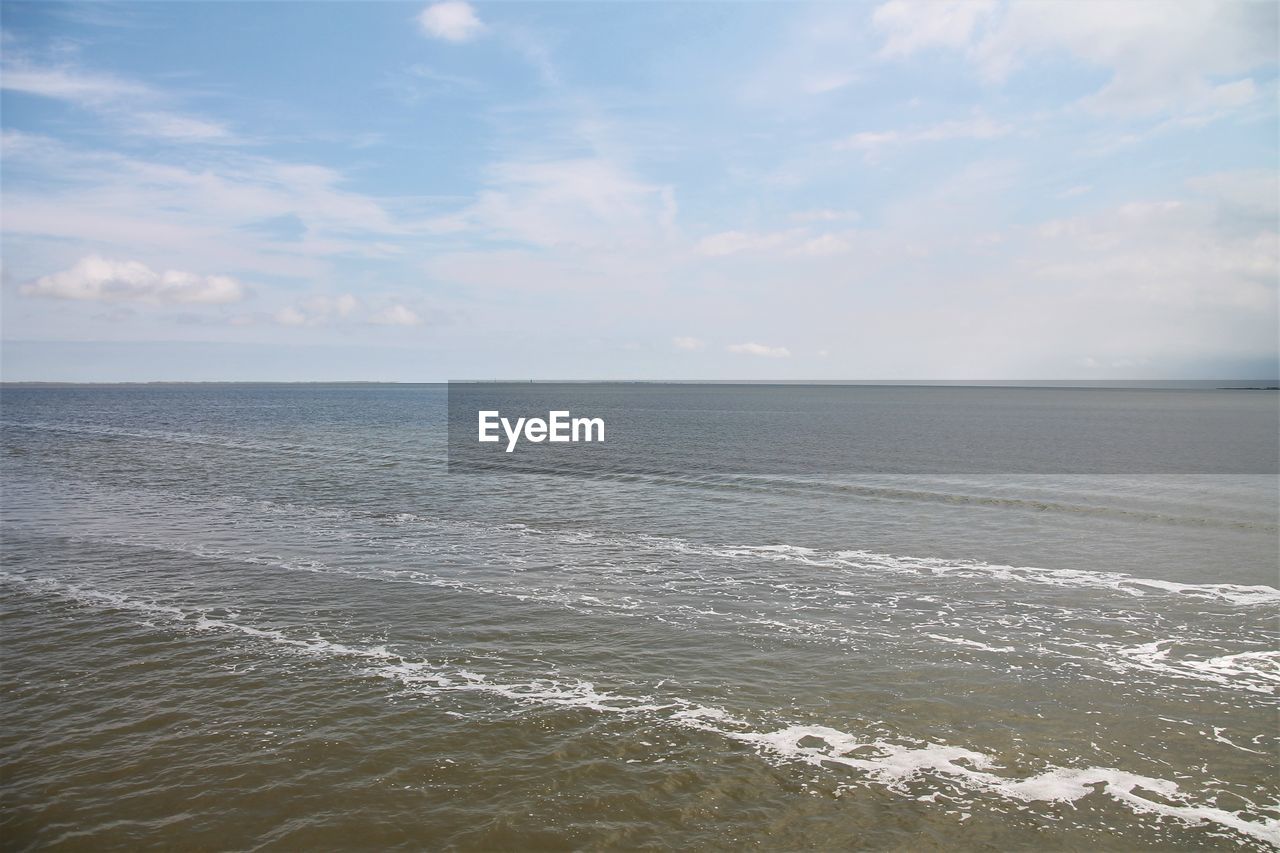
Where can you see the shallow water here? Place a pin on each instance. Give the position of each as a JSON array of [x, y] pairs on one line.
[[266, 617]]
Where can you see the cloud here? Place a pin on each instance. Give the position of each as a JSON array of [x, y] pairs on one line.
[[291, 316], [814, 54], [317, 310], [177, 127], [795, 241], [688, 344], [1167, 255], [452, 20], [576, 202], [978, 127], [760, 350], [820, 84], [827, 244], [732, 242], [396, 315], [345, 304], [97, 279], [824, 215], [910, 26], [1163, 57], [205, 211], [67, 84], [416, 82], [134, 108], [1242, 200]]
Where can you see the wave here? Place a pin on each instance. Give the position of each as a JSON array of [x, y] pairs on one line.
[[1062, 636], [1242, 595], [858, 562], [898, 765], [852, 560], [1228, 593], [654, 475]]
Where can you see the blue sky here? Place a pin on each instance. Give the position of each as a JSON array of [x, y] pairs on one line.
[[409, 192]]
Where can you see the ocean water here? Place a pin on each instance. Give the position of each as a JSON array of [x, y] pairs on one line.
[[271, 617]]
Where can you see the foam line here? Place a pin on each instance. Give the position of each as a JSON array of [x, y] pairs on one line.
[[889, 764]]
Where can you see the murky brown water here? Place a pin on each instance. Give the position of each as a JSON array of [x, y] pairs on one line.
[[264, 618]]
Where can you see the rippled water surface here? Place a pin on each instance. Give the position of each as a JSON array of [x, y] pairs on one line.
[[266, 617]]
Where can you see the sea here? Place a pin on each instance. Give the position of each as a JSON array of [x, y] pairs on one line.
[[773, 617]]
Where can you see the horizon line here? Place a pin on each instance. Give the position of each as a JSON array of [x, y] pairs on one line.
[[1237, 382]]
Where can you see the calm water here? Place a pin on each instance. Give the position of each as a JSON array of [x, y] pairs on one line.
[[267, 618]]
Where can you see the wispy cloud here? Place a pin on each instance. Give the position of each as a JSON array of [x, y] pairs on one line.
[[205, 208], [733, 242], [68, 84], [910, 27], [688, 344], [874, 142], [793, 242], [577, 202], [825, 215], [1163, 58], [396, 315], [317, 310], [133, 107], [760, 350]]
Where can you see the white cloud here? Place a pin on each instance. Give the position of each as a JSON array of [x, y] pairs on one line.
[[579, 202], [820, 84], [1243, 199], [1073, 192], [419, 81], [978, 127], [816, 51], [291, 316], [396, 315], [825, 215], [1163, 57], [133, 107], [759, 349], [206, 212], [345, 304], [95, 278], [452, 20], [317, 310], [67, 84], [177, 127], [795, 241], [732, 242], [827, 244], [911, 26], [688, 344], [1165, 255]]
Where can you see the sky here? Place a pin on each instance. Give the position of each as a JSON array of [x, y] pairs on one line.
[[311, 191]]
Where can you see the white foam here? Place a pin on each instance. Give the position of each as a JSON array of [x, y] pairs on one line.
[[887, 763], [973, 644], [1255, 672], [893, 765], [1217, 735], [1252, 671], [1243, 595]]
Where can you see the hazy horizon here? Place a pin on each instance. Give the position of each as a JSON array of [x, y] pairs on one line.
[[1238, 384]]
